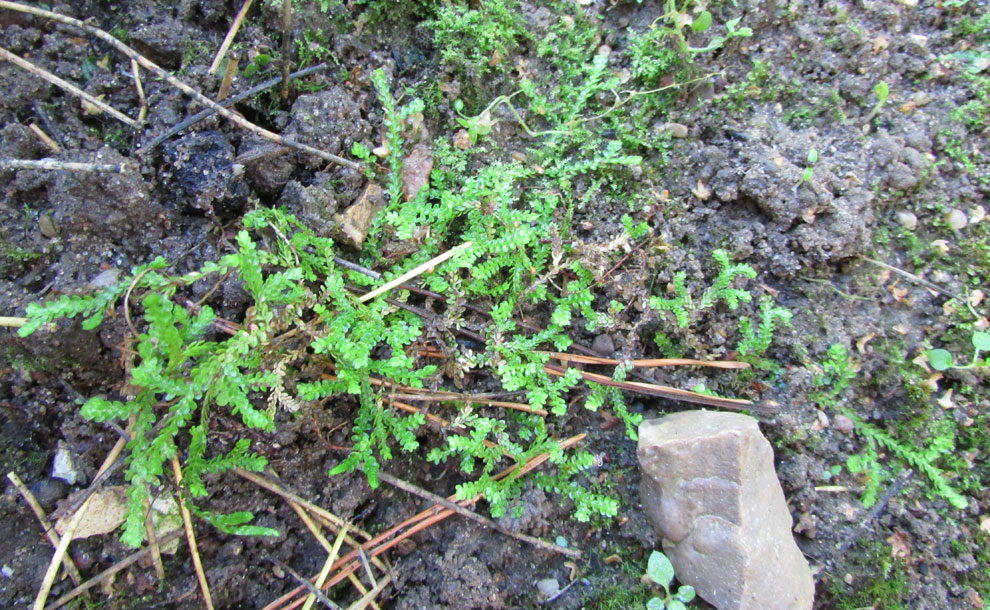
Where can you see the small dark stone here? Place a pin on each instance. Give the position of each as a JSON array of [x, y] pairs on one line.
[[603, 345], [48, 491]]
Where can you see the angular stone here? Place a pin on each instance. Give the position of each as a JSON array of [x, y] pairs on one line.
[[710, 490]]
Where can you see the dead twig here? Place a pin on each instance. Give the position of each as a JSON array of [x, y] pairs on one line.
[[422, 493], [235, 26], [178, 84], [66, 85], [652, 362], [199, 116], [286, 46], [228, 77], [50, 532], [72, 166], [314, 591], [109, 573], [371, 595], [652, 389], [914, 278], [142, 100], [12, 321], [191, 536]]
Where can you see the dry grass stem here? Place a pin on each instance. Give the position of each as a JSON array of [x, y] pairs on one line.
[[418, 270], [58, 557], [12, 321], [191, 536], [136, 73], [649, 362], [286, 46], [108, 574], [156, 552], [235, 26], [325, 571], [45, 138], [422, 493], [66, 85], [50, 532], [178, 84], [371, 595], [228, 76], [72, 166]]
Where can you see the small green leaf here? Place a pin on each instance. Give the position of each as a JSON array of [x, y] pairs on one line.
[[655, 604], [676, 604], [940, 359], [981, 340], [702, 22], [813, 156], [659, 569], [685, 593], [882, 91]]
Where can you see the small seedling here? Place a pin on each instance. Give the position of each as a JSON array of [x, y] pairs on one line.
[[882, 91], [941, 359], [809, 168], [661, 572]]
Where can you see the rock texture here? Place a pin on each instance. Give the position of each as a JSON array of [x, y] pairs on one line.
[[710, 490]]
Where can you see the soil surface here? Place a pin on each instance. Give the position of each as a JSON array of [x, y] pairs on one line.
[[904, 185]]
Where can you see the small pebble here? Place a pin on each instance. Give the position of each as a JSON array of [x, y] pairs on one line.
[[977, 214], [62, 466], [603, 345], [676, 129], [48, 491], [956, 219], [548, 587], [843, 424], [907, 220]]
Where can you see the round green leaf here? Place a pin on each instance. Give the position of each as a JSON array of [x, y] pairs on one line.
[[685, 593], [655, 604], [981, 340], [659, 569], [676, 604], [940, 359], [702, 22]]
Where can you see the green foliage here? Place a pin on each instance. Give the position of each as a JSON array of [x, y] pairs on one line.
[[921, 457], [883, 581], [479, 40], [683, 306], [941, 359], [755, 342], [838, 371], [661, 572]]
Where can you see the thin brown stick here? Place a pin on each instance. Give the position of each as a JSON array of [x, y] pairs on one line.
[[314, 592], [286, 46], [336, 522], [914, 278], [191, 536], [428, 495], [235, 26], [50, 532], [108, 574], [142, 100], [65, 85], [178, 84], [45, 138], [451, 397], [228, 77], [649, 362], [412, 525], [149, 528], [652, 389], [72, 166]]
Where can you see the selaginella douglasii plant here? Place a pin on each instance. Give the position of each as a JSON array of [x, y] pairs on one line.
[[309, 336]]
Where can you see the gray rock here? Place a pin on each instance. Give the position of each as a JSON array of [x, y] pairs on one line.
[[710, 490]]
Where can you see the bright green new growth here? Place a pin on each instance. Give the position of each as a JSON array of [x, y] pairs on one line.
[[755, 342], [661, 572], [838, 371], [684, 307], [941, 359]]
